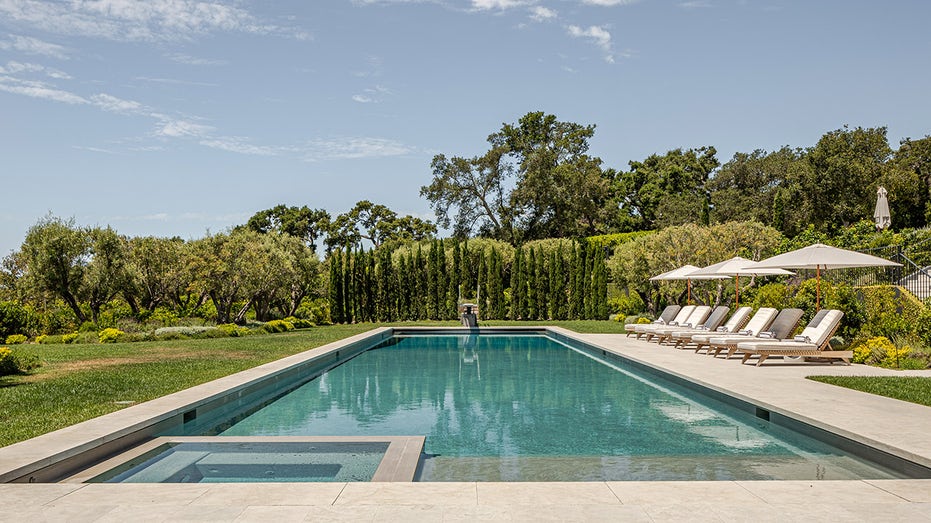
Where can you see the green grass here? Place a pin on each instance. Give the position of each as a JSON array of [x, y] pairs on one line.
[[915, 389], [79, 382]]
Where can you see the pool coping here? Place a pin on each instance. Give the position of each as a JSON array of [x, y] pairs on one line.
[[64, 452]]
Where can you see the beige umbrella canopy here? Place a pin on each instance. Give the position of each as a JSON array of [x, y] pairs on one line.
[[685, 273], [738, 267], [822, 257]]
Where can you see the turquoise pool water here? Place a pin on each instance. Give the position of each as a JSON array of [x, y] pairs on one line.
[[528, 408]]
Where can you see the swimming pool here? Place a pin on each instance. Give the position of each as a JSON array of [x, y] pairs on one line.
[[530, 408]]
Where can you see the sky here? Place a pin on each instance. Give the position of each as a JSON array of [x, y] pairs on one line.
[[184, 117]]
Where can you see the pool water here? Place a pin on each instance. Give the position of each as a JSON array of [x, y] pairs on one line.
[[529, 408], [252, 462]]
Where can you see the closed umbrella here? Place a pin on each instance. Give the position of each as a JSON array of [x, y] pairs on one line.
[[822, 257], [881, 215], [737, 267]]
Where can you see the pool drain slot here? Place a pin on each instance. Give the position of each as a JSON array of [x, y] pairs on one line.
[[189, 416], [763, 414]]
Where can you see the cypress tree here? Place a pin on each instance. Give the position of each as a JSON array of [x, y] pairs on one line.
[[541, 285], [552, 299], [420, 277], [431, 281], [495, 286], [372, 287], [407, 286], [517, 282], [589, 283], [600, 284], [442, 309], [560, 295], [532, 310], [452, 296], [578, 282], [336, 287], [347, 286], [481, 285]]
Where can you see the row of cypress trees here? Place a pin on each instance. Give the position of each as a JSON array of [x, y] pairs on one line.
[[565, 281]]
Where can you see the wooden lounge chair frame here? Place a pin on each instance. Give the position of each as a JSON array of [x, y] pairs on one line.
[[824, 351]]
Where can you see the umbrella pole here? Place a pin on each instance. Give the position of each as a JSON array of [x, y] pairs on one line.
[[737, 286], [689, 280], [818, 288]]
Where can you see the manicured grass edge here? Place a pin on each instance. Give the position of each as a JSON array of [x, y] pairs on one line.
[[914, 389]]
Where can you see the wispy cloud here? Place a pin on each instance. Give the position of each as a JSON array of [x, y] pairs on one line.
[[371, 95], [538, 13], [14, 67], [598, 35], [30, 45], [174, 81], [695, 4], [138, 20], [41, 90], [354, 148], [171, 128], [487, 5], [609, 3], [239, 145], [93, 149], [193, 60], [117, 105]]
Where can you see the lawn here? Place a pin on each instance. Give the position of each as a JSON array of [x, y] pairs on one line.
[[915, 389], [79, 382]]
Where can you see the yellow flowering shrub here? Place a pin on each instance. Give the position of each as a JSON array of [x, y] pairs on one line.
[[109, 335], [16, 339]]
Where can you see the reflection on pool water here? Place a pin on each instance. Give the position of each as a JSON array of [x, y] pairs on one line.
[[529, 408]]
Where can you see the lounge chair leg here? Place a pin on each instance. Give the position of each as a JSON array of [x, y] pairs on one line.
[[761, 360], [745, 358]]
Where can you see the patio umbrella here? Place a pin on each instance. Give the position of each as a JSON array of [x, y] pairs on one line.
[[881, 216], [738, 267], [822, 257], [684, 273]]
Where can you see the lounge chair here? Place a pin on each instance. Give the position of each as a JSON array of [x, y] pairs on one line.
[[733, 324], [813, 342], [698, 317], [782, 327], [758, 323], [641, 329], [668, 314]]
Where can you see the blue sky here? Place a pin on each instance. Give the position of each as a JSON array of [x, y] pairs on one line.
[[178, 117]]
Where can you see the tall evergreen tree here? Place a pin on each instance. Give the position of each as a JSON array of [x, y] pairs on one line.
[[453, 283], [482, 285], [336, 287], [419, 280], [532, 310], [541, 285], [560, 296], [517, 284], [578, 294]]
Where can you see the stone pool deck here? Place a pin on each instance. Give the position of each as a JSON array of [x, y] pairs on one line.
[[899, 427]]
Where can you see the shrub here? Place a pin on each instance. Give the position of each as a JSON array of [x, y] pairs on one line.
[[88, 326], [879, 350], [317, 311], [16, 339], [299, 323], [16, 319], [15, 362], [69, 338], [110, 335], [278, 326], [626, 305], [232, 330], [40, 338], [181, 332]]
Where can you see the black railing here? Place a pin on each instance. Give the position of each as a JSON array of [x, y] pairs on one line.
[[914, 275]]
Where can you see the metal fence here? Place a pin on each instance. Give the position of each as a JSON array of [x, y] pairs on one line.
[[914, 275]]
